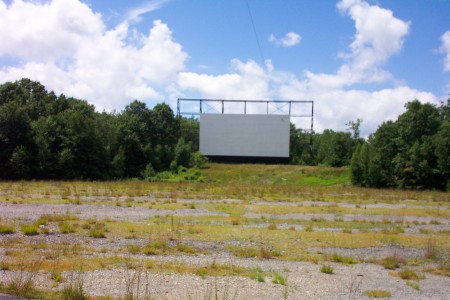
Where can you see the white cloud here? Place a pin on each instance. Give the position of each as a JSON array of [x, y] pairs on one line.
[[335, 107], [379, 35], [65, 46], [46, 31], [289, 40], [249, 81], [445, 48], [135, 14]]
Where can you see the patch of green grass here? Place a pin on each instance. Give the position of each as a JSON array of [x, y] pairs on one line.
[[257, 274], [414, 285], [6, 229], [29, 229], [343, 259], [378, 294], [186, 249], [279, 279], [392, 262], [66, 228], [409, 275], [327, 269], [133, 249]]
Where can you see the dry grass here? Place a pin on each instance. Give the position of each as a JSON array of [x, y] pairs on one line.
[[231, 192]]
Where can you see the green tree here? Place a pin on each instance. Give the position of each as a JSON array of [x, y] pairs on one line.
[[15, 131], [411, 152]]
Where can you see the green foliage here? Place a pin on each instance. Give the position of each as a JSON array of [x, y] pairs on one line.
[[44, 136], [412, 152]]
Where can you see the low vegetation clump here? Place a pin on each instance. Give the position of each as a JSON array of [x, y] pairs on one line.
[[409, 275], [6, 229], [342, 259], [414, 285], [257, 274], [279, 279], [30, 229], [378, 294], [392, 262], [327, 269]]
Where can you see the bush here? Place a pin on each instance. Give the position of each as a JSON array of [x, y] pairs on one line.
[[198, 160]]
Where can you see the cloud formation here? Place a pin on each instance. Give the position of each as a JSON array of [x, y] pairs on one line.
[[289, 40], [445, 48], [66, 46], [135, 14], [379, 35]]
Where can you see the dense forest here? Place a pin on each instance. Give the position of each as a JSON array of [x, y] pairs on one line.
[[412, 152], [45, 136]]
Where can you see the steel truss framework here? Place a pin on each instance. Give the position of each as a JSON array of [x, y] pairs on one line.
[[293, 108]]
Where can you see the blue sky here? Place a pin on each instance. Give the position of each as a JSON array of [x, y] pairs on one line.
[[354, 58]]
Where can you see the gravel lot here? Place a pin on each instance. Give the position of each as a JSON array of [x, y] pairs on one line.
[[304, 280]]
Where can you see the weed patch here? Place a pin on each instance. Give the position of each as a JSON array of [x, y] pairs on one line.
[[377, 294], [327, 269]]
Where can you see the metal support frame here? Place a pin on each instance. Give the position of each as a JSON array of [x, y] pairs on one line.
[[207, 106]]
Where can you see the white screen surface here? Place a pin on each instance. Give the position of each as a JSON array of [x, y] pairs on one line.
[[244, 135]]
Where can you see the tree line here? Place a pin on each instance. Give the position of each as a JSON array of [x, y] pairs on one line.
[[411, 152], [45, 136]]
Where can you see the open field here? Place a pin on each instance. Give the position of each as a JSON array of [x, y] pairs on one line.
[[240, 232]]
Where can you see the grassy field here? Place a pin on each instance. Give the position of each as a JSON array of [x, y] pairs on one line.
[[278, 212]]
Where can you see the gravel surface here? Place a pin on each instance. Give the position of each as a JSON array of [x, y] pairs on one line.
[[304, 280]]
